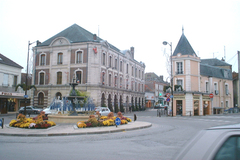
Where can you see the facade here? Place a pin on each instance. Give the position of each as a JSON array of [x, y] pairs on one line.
[[112, 77], [194, 79], [154, 92], [10, 76]]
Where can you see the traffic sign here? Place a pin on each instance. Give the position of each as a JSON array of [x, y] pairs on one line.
[[168, 99], [117, 121], [168, 94], [25, 96], [171, 96], [211, 95]]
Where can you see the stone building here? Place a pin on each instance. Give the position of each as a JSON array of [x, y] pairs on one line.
[[112, 77], [194, 79]]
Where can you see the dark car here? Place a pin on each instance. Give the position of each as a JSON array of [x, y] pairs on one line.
[[30, 110]]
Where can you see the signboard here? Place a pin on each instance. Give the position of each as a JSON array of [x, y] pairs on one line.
[[117, 121], [25, 96], [171, 96], [168, 94], [211, 95], [168, 99]]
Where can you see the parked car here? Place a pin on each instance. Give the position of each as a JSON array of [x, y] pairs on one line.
[[222, 142], [104, 111], [30, 110]]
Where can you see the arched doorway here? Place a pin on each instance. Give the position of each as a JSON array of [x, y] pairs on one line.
[[103, 100], [110, 102], [59, 95], [40, 99], [115, 101]]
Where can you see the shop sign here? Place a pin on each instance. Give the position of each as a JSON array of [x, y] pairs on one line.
[[179, 97], [206, 99], [196, 97], [6, 93]]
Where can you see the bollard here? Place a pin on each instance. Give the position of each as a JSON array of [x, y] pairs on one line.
[[29, 114], [2, 122]]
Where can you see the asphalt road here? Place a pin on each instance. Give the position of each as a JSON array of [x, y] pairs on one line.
[[163, 140]]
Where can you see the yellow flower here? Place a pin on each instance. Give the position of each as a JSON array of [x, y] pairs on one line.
[[12, 122], [81, 125], [129, 120], [103, 117], [124, 122]]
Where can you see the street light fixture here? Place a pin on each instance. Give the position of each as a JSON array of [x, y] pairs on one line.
[[170, 44], [26, 96]]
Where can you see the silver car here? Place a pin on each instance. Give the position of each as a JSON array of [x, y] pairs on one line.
[[217, 143]]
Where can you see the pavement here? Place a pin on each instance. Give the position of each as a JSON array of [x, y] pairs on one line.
[[71, 129]]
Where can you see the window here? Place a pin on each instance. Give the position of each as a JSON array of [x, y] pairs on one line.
[[103, 78], [41, 82], [127, 69], [43, 59], [135, 72], [79, 57], [135, 86], [115, 63], [139, 74], [59, 77], [226, 104], [79, 77], [40, 99], [5, 79], [103, 59], [120, 82], [216, 88], [15, 81], [229, 149], [121, 66], [207, 87], [179, 82], [179, 68], [115, 81], [60, 58], [226, 89], [110, 80], [110, 61]]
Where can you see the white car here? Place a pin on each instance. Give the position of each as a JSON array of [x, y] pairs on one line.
[[217, 143], [48, 111], [104, 111]]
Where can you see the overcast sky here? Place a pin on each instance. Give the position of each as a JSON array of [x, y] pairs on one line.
[[208, 26]]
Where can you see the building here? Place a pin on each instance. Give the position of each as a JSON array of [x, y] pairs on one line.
[[112, 77], [154, 90], [10, 76], [236, 89], [194, 79]]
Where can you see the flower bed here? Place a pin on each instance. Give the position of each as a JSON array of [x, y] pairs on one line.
[[37, 122], [103, 121]]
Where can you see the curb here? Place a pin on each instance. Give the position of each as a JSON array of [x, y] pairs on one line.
[[111, 130]]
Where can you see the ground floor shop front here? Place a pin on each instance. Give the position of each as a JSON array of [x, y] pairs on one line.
[[192, 105]]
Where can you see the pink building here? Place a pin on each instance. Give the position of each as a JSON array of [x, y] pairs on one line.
[[194, 79]]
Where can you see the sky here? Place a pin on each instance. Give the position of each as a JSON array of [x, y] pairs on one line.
[[212, 27]]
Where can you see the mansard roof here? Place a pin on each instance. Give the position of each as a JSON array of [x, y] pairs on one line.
[[184, 47], [9, 62], [212, 71], [214, 62], [76, 34]]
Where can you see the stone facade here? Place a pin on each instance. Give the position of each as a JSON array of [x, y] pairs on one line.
[[110, 76]]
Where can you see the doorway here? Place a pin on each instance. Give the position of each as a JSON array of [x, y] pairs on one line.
[[196, 107], [179, 107]]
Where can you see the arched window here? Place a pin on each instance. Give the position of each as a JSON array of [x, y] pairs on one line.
[[40, 99], [59, 77], [79, 77], [41, 80], [110, 80], [59, 95], [60, 58], [103, 59]]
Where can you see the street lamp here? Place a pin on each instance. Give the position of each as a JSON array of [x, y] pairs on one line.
[[170, 44], [26, 96]]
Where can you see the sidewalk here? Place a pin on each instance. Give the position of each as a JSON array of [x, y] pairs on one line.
[[71, 129]]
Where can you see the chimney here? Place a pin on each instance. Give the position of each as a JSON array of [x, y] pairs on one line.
[[94, 37], [161, 78], [132, 51]]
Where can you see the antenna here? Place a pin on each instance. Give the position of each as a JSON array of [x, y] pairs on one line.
[[98, 31], [224, 53]]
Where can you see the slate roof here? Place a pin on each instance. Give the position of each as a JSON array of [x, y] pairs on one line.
[[184, 47], [214, 62], [9, 62], [208, 70], [76, 34]]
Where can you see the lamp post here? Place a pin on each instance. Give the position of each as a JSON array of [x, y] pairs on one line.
[[26, 96], [170, 44]]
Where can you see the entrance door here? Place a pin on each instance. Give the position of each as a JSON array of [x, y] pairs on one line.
[[196, 108], [179, 107]]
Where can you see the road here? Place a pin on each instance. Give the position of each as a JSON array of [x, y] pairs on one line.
[[163, 140]]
